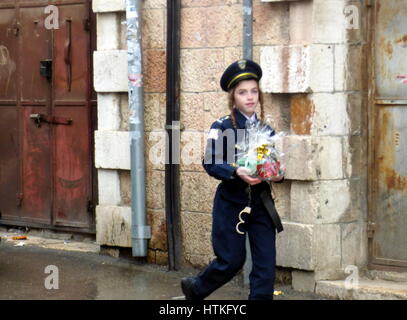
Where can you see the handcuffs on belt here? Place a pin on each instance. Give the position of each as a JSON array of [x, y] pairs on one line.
[[247, 210]]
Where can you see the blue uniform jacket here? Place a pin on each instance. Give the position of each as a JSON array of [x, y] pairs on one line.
[[220, 158]]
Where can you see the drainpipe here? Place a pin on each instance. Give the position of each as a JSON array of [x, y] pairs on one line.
[[247, 54], [247, 29], [172, 172], [140, 231]]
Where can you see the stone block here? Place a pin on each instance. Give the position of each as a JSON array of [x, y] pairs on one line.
[[123, 30], [232, 54], [192, 111], [302, 114], [278, 111], [109, 187], [205, 27], [155, 190], [327, 250], [328, 21], [300, 28], [196, 234], [303, 281], [108, 111], [356, 157], [108, 6], [113, 226], [154, 4], [201, 69], [295, 246], [348, 67], [333, 290], [215, 106], [156, 219], [297, 68], [112, 150], [278, 0], [313, 158], [356, 114], [366, 290], [281, 193], [208, 3], [197, 191], [110, 71], [330, 117], [125, 112], [153, 28], [125, 187], [321, 202], [108, 31], [192, 150], [154, 64], [155, 149], [321, 68], [285, 69], [270, 24], [354, 244], [154, 111]]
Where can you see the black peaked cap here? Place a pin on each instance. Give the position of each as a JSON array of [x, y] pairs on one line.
[[240, 70]]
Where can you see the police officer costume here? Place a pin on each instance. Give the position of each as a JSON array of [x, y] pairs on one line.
[[232, 196]]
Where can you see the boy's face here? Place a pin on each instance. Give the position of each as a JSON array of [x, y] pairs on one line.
[[246, 96]]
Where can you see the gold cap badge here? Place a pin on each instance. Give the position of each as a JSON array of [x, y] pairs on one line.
[[242, 64]]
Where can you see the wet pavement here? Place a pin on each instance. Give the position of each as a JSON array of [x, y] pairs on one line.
[[89, 275]]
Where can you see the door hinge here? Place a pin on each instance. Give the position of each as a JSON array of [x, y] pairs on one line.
[[19, 199], [86, 24], [371, 228]]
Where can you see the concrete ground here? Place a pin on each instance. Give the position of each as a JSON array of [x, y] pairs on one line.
[[40, 268]]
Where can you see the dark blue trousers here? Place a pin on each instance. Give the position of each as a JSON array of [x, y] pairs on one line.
[[230, 249]]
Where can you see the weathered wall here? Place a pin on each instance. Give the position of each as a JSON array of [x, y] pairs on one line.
[[312, 62], [321, 68], [211, 39], [112, 144]]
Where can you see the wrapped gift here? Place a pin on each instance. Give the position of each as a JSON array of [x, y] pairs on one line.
[[258, 152]]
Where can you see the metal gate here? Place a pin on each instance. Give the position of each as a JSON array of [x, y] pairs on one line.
[[387, 228], [46, 113]]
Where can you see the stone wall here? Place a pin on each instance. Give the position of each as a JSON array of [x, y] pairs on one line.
[[313, 89], [321, 70], [211, 39], [112, 144]]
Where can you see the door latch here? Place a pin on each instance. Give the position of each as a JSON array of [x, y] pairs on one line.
[[46, 69], [38, 118]]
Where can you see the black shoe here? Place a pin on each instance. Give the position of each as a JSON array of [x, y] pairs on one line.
[[187, 286]]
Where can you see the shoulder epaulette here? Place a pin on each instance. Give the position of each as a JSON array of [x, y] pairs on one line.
[[220, 120]]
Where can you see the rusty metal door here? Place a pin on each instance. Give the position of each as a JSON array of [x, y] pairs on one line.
[[46, 114], [388, 226]]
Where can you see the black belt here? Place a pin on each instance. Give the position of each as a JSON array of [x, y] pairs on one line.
[[268, 203]]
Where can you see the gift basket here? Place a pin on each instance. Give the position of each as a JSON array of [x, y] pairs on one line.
[[258, 152]]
